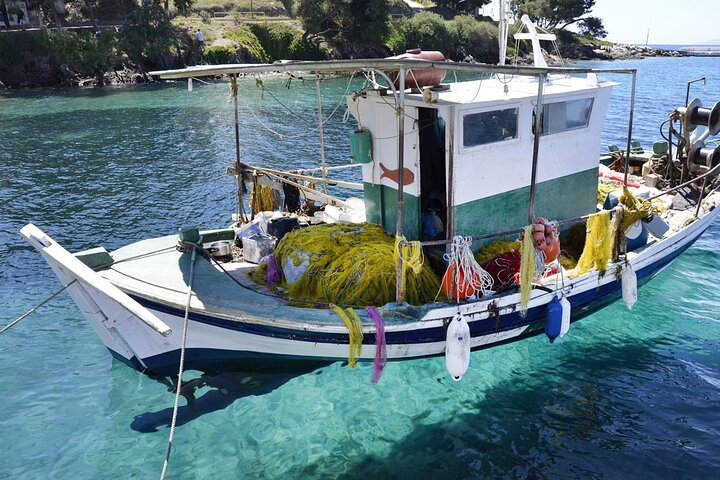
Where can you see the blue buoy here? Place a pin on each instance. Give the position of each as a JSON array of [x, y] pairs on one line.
[[553, 325]]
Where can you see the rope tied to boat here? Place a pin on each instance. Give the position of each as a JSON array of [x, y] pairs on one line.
[[33, 309], [193, 247]]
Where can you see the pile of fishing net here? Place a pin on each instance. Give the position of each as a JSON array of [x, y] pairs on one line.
[[346, 265]]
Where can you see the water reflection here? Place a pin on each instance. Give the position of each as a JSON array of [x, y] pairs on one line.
[[215, 391]]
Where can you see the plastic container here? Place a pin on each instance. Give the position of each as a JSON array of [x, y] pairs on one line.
[[256, 247], [636, 235], [656, 226], [361, 146], [278, 227]]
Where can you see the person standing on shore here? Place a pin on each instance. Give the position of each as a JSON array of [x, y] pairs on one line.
[[200, 38]]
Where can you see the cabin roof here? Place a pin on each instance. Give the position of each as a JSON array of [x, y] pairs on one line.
[[492, 90]]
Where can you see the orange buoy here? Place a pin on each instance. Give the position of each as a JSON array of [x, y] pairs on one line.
[[460, 291]]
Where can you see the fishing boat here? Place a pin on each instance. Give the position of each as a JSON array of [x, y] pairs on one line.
[[449, 170]]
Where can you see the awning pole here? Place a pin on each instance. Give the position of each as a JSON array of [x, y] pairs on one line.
[[401, 178], [536, 146], [322, 136], [234, 88], [630, 125]]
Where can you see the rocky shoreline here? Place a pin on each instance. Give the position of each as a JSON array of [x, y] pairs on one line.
[[620, 51], [42, 71]]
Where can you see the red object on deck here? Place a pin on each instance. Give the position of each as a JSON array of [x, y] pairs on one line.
[[420, 78]]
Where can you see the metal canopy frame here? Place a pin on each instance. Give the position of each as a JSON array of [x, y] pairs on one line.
[[386, 64], [403, 65]]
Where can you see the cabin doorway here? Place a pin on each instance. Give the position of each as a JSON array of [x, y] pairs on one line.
[[433, 185]]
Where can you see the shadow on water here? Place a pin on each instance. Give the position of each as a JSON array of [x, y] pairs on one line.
[[548, 423], [215, 391]]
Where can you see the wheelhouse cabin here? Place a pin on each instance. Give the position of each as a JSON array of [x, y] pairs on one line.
[[468, 153]]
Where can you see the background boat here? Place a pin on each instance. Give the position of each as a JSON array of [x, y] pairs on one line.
[[625, 394]]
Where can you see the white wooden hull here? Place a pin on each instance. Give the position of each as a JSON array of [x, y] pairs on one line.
[[130, 326]]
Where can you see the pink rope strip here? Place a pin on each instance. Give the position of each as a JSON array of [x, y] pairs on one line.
[[380, 346]]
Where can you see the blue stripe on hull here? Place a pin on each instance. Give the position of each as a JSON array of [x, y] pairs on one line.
[[583, 304]]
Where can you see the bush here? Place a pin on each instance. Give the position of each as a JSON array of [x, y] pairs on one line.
[[396, 39], [283, 42], [247, 41], [427, 31], [304, 50], [275, 39], [218, 54], [478, 39]]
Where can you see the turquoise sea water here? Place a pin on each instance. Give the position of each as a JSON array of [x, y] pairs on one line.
[[626, 394]]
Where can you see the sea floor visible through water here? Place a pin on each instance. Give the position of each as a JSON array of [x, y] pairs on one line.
[[626, 394]]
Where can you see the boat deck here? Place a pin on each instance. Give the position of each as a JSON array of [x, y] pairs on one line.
[[155, 271]]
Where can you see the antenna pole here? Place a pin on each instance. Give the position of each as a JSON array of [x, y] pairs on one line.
[[401, 179]]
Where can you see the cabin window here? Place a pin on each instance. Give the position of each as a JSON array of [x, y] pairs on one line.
[[569, 115], [489, 127]]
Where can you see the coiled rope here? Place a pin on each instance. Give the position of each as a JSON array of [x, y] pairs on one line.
[[465, 269], [182, 246]]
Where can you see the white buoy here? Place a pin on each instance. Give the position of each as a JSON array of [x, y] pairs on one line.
[[457, 347], [566, 310], [629, 286]]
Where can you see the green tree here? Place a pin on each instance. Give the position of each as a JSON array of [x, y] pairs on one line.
[[554, 13], [98, 53], [47, 7], [592, 27], [355, 20], [461, 6], [148, 36], [428, 31], [182, 6]]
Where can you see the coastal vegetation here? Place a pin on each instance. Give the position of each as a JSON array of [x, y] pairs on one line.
[[117, 41]]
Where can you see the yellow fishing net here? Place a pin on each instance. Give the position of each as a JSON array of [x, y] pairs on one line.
[[635, 209], [411, 256], [598, 244], [486, 253], [354, 325], [261, 198], [528, 268], [604, 189], [351, 265]]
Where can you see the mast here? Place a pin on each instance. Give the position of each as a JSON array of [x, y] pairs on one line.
[[499, 12], [502, 32]]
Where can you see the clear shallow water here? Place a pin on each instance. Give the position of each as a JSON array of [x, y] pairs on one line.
[[627, 394]]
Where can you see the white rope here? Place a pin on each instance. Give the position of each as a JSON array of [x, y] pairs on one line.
[[182, 364], [32, 310], [464, 263]]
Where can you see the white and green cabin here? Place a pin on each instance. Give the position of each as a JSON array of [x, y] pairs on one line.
[[468, 152]]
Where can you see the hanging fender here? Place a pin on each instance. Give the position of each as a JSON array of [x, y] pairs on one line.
[[457, 347]]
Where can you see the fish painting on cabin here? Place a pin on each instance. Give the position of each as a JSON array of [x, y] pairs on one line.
[[408, 175]]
